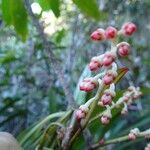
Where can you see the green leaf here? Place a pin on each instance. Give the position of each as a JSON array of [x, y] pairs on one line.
[[8, 58], [54, 5], [6, 13], [59, 35], [14, 13], [39, 127], [90, 8], [44, 4]]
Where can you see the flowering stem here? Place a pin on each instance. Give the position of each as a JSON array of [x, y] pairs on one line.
[[118, 103], [84, 123], [120, 139]]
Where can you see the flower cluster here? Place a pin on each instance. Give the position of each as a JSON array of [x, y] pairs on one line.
[[107, 62], [110, 33], [128, 97]]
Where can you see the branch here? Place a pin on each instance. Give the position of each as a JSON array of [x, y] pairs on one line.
[[54, 61], [120, 139]]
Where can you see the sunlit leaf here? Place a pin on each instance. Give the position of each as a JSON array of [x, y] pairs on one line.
[[90, 8], [14, 13], [54, 5]]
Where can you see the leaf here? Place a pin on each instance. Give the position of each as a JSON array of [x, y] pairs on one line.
[[59, 36], [54, 5], [8, 58], [38, 127], [6, 13], [44, 4], [90, 8], [14, 13]]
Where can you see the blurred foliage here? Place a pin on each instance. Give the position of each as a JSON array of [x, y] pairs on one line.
[[29, 87]]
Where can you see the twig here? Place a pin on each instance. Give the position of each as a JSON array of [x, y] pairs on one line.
[[55, 63], [120, 139]]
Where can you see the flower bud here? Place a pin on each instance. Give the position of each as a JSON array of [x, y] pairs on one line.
[[128, 28], [88, 85], [105, 120], [95, 64], [111, 32], [106, 99], [80, 114], [106, 117], [98, 35], [123, 49], [131, 136], [108, 59], [109, 77], [102, 142]]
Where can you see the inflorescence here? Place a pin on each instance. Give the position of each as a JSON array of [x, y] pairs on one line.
[[107, 63]]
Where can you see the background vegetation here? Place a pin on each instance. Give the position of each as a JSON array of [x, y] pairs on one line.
[[29, 87]]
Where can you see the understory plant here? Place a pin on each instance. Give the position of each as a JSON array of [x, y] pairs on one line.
[[64, 130]]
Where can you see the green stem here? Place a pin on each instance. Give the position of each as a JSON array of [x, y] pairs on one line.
[[120, 139]]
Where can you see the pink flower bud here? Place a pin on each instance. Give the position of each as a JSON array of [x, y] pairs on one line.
[[128, 28], [105, 120], [108, 79], [131, 136], [80, 114], [102, 142], [123, 49], [98, 35], [88, 85], [108, 59], [95, 64], [106, 99], [111, 32]]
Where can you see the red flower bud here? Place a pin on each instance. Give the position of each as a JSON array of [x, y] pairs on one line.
[[128, 28], [80, 114], [131, 136], [106, 99], [102, 142], [111, 32], [123, 49], [105, 120], [108, 59], [88, 85], [108, 78], [98, 35], [95, 64]]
